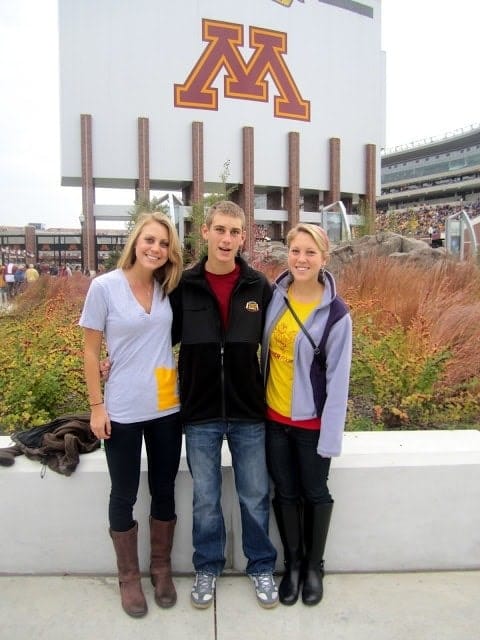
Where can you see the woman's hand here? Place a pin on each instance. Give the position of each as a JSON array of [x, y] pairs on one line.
[[100, 422]]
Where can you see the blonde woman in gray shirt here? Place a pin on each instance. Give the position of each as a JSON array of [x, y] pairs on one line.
[[130, 309]]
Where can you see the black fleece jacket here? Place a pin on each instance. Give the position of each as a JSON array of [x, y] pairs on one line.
[[219, 373]]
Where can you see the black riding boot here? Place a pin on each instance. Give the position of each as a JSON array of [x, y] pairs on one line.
[[289, 526], [316, 522]]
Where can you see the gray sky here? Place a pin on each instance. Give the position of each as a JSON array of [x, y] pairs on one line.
[[432, 88]]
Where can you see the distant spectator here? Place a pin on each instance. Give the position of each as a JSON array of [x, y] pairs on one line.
[[31, 274], [19, 279], [64, 271], [10, 279], [3, 287], [44, 269]]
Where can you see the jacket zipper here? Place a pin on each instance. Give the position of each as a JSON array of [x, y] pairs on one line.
[[222, 379], [223, 332], [222, 348]]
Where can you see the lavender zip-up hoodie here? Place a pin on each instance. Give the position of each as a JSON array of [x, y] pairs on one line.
[[338, 351]]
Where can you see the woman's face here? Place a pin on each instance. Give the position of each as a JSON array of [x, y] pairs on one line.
[[151, 247], [305, 258]]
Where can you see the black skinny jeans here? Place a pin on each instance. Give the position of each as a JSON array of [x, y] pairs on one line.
[[163, 442], [297, 471]]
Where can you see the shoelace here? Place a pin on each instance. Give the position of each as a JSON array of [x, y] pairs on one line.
[[265, 581], [204, 582]]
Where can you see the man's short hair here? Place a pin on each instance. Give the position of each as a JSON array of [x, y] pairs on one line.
[[228, 208]]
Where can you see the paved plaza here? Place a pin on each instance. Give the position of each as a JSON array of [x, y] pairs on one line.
[[389, 606]]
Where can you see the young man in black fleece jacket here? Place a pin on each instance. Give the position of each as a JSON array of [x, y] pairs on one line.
[[219, 311]]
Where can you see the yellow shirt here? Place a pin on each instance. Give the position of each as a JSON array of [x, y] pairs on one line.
[[281, 353], [31, 274]]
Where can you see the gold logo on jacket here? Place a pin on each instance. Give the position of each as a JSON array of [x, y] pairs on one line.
[[252, 306]]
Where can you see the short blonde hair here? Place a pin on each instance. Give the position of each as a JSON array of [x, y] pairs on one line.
[[168, 275], [317, 233], [228, 208]]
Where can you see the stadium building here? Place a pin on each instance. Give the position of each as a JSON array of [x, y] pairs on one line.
[[254, 96], [432, 171], [433, 186], [50, 248]]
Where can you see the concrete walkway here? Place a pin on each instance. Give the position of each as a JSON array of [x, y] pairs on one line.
[[395, 606]]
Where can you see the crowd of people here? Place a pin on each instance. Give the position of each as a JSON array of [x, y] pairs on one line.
[[422, 221], [283, 426], [15, 277]]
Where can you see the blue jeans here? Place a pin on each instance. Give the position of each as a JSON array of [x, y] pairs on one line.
[[297, 471], [246, 442]]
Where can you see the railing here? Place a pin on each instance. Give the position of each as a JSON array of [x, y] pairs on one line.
[[455, 227]]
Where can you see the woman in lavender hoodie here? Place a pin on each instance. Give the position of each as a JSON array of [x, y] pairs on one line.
[[306, 406]]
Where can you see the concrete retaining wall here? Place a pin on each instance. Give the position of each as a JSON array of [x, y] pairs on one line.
[[403, 501]]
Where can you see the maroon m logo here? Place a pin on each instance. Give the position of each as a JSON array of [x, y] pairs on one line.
[[243, 80]]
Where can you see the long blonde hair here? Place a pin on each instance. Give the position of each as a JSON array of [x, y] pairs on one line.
[[318, 235], [168, 275]]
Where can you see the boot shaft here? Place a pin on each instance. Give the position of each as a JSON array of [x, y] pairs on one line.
[[126, 550], [316, 525], [289, 522], [125, 544], [161, 542]]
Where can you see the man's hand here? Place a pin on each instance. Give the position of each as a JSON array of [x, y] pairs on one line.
[[105, 366]]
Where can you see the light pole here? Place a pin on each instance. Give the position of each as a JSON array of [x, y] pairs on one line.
[[4, 251], [81, 219]]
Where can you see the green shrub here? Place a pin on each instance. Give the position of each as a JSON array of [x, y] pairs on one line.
[[41, 358], [416, 347]]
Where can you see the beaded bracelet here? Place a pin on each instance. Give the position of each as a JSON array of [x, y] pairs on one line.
[[95, 404]]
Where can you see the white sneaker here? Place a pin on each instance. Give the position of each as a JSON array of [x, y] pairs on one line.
[[265, 590], [203, 590]]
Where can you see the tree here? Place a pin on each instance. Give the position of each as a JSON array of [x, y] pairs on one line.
[[194, 244], [142, 206]]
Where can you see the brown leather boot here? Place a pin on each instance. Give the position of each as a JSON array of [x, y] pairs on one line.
[[125, 544], [161, 540]]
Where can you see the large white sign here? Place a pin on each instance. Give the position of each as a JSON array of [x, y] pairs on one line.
[[312, 66]]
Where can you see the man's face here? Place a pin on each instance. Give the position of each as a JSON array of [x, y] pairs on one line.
[[224, 237]]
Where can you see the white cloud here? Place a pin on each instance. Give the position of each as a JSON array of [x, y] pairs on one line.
[[432, 62]]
